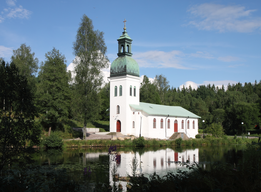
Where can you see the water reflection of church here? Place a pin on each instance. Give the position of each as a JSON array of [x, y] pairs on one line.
[[160, 161]]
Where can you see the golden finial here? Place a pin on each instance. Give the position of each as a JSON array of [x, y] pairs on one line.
[[124, 24]]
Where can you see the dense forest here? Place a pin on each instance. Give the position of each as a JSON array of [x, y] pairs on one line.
[[228, 107]]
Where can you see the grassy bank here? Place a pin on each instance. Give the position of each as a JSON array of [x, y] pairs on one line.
[[157, 143]]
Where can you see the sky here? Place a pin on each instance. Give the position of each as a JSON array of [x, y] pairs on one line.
[[190, 42]]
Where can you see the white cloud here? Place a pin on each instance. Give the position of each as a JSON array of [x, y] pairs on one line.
[[1, 19], [5, 51], [19, 12], [11, 2], [216, 83], [201, 54], [228, 59], [189, 83], [224, 18], [159, 59]]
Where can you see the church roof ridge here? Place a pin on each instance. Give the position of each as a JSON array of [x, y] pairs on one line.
[[164, 110]]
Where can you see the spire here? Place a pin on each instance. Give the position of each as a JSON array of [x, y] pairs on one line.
[[124, 25], [124, 43]]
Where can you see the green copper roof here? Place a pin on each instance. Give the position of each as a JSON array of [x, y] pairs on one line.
[[124, 65], [124, 35], [163, 110]]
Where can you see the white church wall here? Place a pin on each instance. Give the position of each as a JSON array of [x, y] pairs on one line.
[[123, 101]]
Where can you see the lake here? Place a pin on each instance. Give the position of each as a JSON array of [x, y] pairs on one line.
[[103, 167]]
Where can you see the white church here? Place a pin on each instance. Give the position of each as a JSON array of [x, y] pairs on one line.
[[130, 116]]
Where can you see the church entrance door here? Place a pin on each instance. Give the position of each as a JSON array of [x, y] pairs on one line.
[[118, 126], [175, 126]]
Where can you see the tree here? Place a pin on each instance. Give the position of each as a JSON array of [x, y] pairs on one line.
[[53, 93], [163, 85], [89, 49], [105, 102], [17, 113], [26, 62], [215, 129], [149, 92]]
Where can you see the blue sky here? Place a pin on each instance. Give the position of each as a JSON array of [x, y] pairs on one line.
[[189, 42]]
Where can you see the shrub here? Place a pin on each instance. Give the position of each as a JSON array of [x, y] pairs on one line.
[[140, 142], [198, 136], [178, 141], [215, 129], [53, 141], [102, 130]]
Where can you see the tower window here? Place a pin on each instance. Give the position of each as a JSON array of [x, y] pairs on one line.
[[120, 90], [118, 109], [122, 48], [154, 123], [128, 49], [115, 91], [134, 91], [130, 90]]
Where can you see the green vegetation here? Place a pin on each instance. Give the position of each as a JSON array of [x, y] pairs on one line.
[[89, 49], [17, 112], [53, 93], [221, 177], [140, 142], [53, 141]]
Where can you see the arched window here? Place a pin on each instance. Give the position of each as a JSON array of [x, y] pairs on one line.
[[182, 124], [161, 123], [118, 109], [168, 123], [193, 124], [115, 91], [128, 49], [188, 124], [134, 91], [130, 90], [122, 48], [120, 90], [154, 163], [154, 123], [133, 124]]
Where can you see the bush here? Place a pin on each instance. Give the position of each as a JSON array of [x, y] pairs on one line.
[[140, 142], [198, 136], [53, 141], [215, 129], [178, 141]]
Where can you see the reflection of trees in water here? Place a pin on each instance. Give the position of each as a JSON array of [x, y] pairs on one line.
[[224, 154]]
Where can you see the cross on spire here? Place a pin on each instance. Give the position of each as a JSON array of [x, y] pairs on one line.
[[124, 24]]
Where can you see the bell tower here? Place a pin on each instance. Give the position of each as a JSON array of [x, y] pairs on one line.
[[124, 86], [124, 43]]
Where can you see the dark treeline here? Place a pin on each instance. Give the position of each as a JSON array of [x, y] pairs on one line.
[[239, 103]]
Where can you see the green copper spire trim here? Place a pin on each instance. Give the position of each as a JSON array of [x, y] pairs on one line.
[[124, 64]]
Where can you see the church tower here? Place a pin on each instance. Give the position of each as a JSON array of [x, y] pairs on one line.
[[124, 86]]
